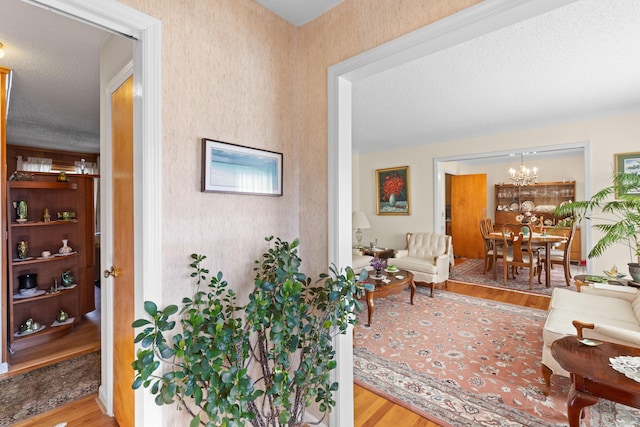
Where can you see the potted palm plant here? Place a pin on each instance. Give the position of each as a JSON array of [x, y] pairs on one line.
[[620, 202], [262, 363]]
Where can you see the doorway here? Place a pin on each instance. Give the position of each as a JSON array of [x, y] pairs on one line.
[[146, 31], [465, 25]]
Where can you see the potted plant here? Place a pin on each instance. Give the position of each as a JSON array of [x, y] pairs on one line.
[[378, 265], [262, 363], [621, 204]]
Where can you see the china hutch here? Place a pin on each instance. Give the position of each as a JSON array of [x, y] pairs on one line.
[[69, 205], [515, 204]]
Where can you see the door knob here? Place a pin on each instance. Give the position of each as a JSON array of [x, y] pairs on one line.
[[113, 272]]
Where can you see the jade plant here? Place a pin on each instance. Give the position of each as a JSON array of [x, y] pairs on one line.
[[262, 363], [621, 204]]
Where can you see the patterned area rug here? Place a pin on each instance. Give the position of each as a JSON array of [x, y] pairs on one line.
[[34, 392], [470, 271], [463, 361]]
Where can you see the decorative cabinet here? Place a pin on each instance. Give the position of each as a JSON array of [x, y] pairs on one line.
[[512, 201], [537, 199], [75, 198]]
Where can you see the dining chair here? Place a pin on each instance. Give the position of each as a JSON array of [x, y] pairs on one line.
[[486, 228], [559, 256], [518, 252]]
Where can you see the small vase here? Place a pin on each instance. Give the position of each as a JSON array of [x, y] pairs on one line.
[[392, 200], [65, 249], [378, 273], [23, 249]]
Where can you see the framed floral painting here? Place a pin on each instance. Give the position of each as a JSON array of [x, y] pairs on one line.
[[392, 188]]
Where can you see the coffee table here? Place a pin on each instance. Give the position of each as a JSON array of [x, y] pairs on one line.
[[592, 377], [383, 289], [382, 253]]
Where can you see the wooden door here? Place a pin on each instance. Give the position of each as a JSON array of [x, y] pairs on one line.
[[123, 285], [4, 76], [468, 205]]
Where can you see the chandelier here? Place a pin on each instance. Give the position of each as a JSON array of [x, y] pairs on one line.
[[524, 176]]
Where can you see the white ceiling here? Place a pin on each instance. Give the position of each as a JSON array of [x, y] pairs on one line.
[[579, 61]]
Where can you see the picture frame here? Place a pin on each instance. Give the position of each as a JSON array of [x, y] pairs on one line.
[[231, 168], [392, 191], [627, 163]]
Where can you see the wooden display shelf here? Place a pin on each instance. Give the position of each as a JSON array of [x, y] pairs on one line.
[[540, 199], [45, 224], [44, 185], [45, 192], [46, 295], [37, 260], [48, 334]]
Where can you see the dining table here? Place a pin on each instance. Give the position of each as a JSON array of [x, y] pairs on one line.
[[537, 239]]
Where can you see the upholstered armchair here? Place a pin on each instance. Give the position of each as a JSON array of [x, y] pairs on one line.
[[427, 256], [360, 261]]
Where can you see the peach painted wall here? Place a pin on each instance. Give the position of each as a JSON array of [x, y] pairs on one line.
[[235, 72], [227, 75], [347, 30]]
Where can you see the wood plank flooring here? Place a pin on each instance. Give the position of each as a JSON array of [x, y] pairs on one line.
[[83, 412], [370, 409]]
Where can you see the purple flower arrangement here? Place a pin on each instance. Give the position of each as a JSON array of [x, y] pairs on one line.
[[378, 264]]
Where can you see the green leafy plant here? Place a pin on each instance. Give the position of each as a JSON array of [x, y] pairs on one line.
[[261, 363], [622, 223]]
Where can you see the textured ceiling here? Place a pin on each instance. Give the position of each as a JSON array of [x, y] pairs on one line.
[[56, 80], [576, 62], [579, 61]]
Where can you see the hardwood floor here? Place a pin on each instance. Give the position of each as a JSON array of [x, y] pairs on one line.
[[81, 413], [373, 410], [370, 409]]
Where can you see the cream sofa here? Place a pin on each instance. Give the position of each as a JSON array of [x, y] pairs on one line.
[[612, 310], [427, 256], [360, 261]]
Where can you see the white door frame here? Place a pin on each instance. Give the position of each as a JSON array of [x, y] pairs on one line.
[[147, 65], [482, 18]]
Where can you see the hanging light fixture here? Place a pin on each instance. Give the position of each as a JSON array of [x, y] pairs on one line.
[[524, 176]]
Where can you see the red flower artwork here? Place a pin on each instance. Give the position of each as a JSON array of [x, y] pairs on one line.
[[393, 184]]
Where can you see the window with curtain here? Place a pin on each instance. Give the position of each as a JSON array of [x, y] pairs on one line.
[[34, 164]]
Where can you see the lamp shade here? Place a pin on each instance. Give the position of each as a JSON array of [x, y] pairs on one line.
[[359, 220]]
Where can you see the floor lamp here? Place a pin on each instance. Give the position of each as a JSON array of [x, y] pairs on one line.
[[359, 221]]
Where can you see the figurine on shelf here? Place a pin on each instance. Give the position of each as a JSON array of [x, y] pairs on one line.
[[62, 316], [29, 326], [62, 177], [21, 211], [65, 249], [67, 279], [45, 215]]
